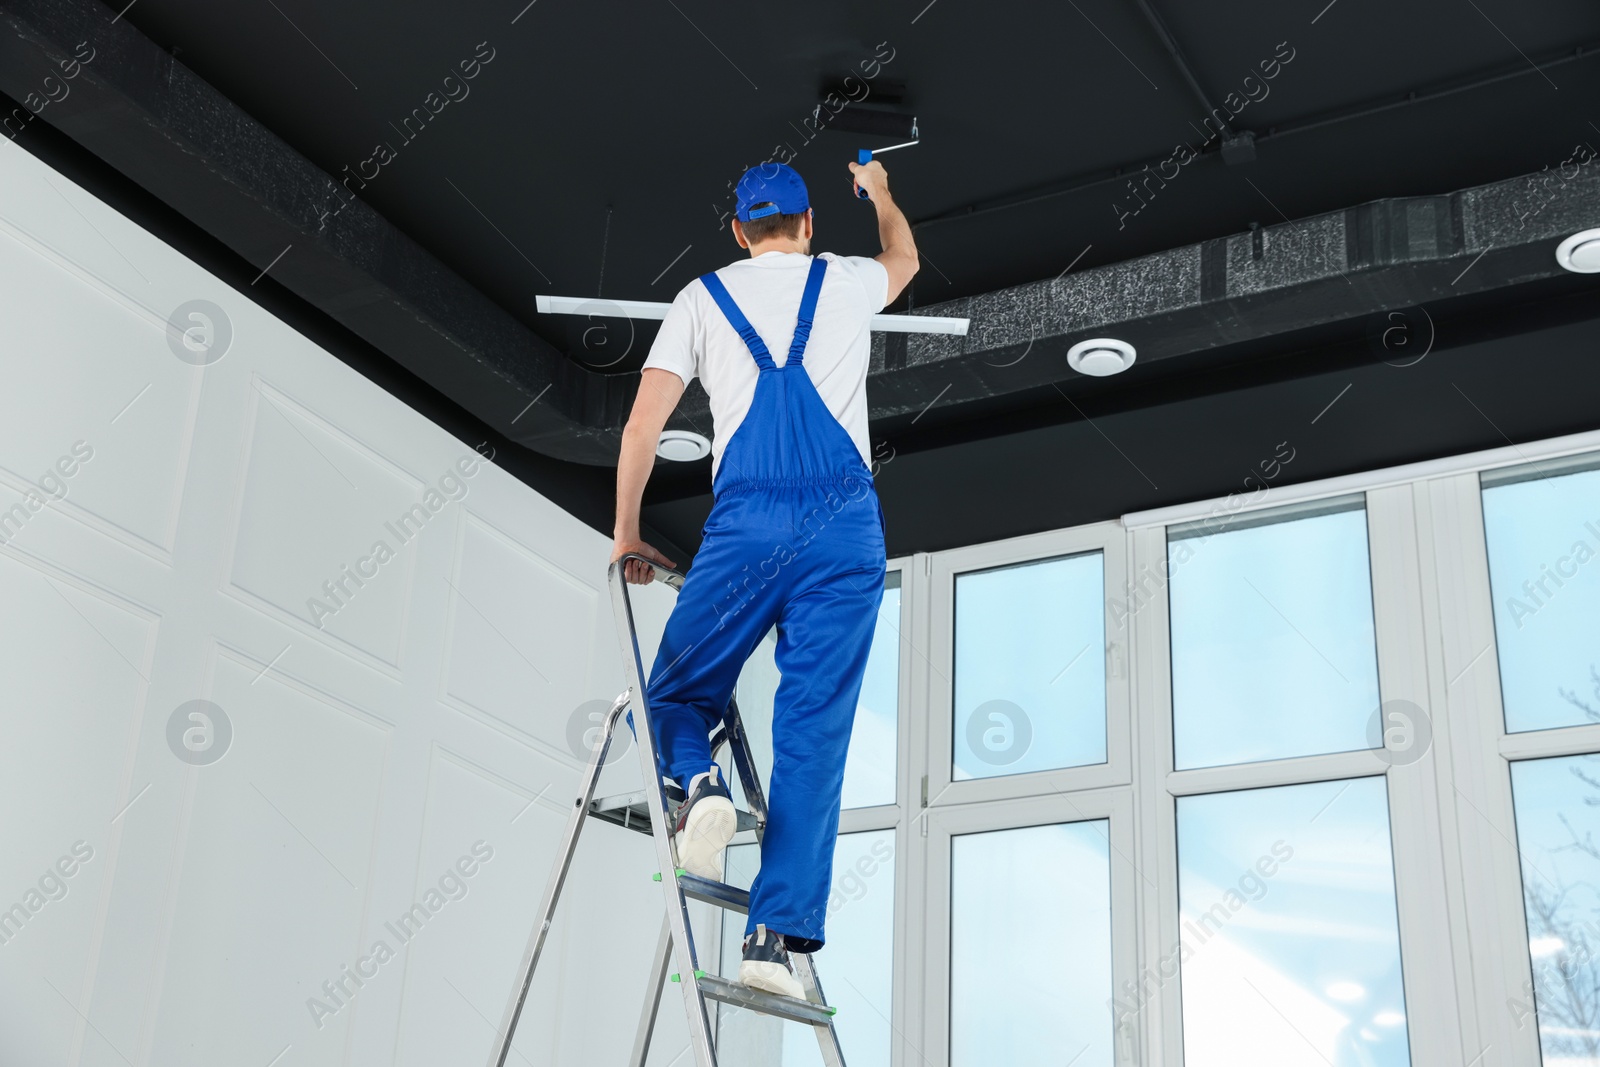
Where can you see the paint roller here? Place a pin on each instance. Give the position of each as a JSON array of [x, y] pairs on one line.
[[864, 155]]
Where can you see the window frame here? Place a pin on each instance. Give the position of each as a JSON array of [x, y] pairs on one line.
[[887, 816], [1110, 541], [1114, 804], [1269, 516], [1425, 935], [1485, 817]]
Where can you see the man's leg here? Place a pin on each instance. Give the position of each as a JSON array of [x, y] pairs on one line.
[[824, 636], [716, 623]]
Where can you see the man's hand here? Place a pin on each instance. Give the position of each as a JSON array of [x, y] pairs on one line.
[[635, 571], [871, 177]]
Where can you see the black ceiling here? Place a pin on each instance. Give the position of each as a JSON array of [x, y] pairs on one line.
[[634, 117], [592, 155]]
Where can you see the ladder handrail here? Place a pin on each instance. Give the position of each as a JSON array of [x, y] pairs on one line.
[[665, 575], [682, 952]]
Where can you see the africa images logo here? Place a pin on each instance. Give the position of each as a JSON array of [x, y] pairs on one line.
[[199, 732], [999, 732]]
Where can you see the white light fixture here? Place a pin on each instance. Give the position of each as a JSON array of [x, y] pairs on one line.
[[648, 309], [682, 446], [1580, 252], [1100, 357]]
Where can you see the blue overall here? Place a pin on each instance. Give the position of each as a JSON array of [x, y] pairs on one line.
[[795, 539]]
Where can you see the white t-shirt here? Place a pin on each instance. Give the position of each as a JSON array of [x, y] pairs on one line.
[[696, 339]]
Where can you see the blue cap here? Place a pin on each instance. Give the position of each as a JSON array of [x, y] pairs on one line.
[[771, 189]]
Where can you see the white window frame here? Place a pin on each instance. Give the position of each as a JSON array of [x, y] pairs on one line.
[[1114, 804], [1463, 933], [942, 807], [887, 816], [1485, 820], [1432, 1013], [1107, 538]]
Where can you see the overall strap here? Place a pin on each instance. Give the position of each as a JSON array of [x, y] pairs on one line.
[[736, 319], [808, 309]]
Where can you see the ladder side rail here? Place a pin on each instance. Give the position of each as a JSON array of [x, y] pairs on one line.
[[827, 1035], [744, 764], [652, 996], [677, 905]]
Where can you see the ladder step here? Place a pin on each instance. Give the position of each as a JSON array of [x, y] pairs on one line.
[[723, 896], [630, 810], [800, 1011]]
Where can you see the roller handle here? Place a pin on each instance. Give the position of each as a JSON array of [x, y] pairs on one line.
[[863, 157]]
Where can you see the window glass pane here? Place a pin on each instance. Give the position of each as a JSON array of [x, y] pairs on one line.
[[869, 766], [1289, 942], [1030, 946], [855, 967], [1273, 648], [871, 761], [1557, 825], [1030, 683], [1543, 536]]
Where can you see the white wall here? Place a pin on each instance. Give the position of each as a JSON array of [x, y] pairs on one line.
[[367, 755]]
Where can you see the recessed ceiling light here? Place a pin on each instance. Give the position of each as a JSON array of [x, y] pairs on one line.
[[1100, 357], [682, 446], [1580, 252]]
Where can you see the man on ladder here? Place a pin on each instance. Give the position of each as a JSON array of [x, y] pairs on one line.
[[795, 538]]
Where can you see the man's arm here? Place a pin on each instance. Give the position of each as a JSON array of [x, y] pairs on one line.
[[659, 392], [899, 255]]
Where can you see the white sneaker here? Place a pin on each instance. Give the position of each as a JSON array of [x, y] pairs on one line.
[[706, 823], [766, 965]]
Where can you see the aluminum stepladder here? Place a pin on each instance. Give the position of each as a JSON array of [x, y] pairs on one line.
[[647, 811]]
